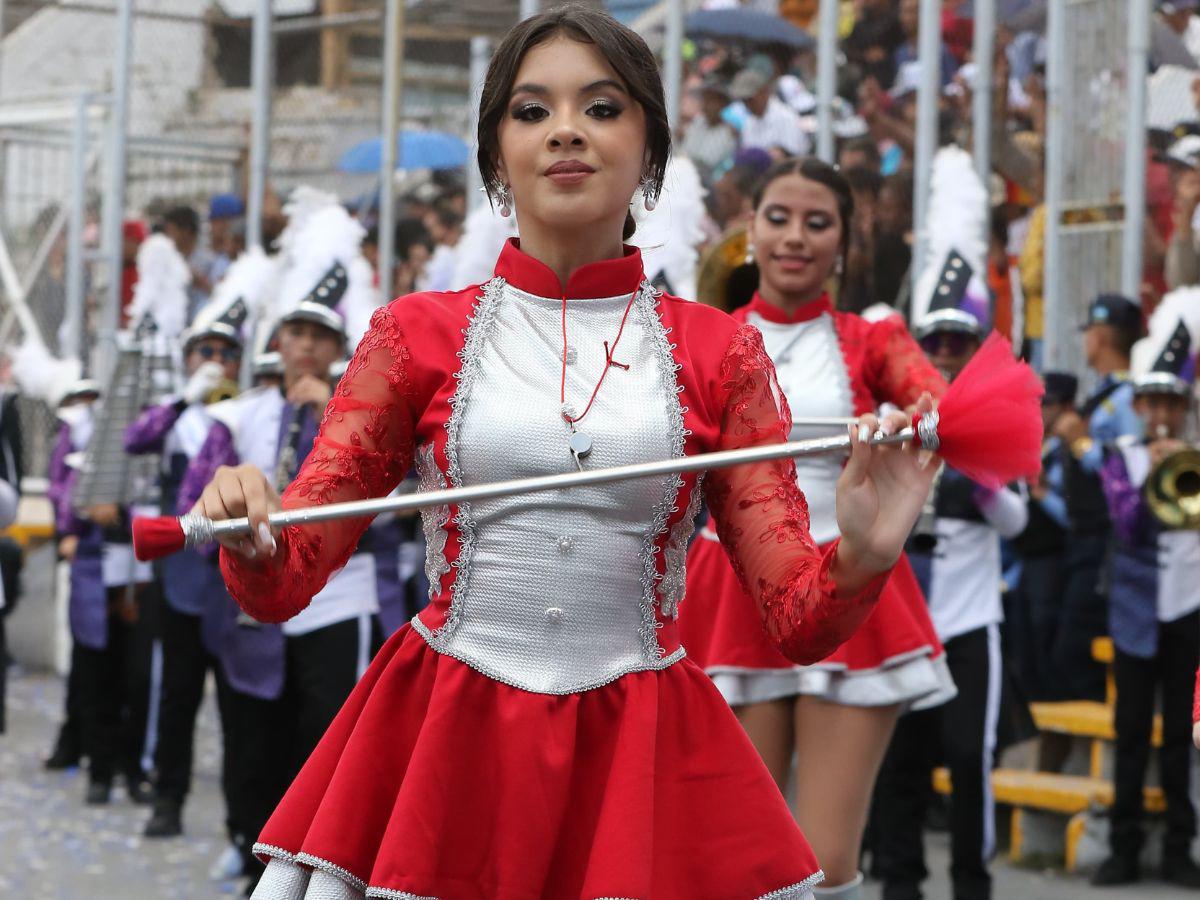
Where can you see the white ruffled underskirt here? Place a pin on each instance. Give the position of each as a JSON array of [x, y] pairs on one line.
[[914, 681], [288, 880]]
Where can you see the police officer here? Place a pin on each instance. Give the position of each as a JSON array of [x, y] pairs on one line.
[[1114, 324]]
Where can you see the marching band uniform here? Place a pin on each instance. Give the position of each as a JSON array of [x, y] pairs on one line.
[[1041, 548], [10, 552], [195, 595], [544, 690], [1153, 612], [108, 612], [829, 364], [287, 681]]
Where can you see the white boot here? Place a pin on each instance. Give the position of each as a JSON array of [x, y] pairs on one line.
[[851, 890]]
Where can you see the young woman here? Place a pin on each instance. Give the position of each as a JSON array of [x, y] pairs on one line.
[[536, 731], [835, 716]]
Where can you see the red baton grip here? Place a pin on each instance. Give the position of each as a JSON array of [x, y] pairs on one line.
[[156, 536]]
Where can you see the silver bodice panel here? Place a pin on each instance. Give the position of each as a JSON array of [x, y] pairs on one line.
[[812, 375], [555, 592]]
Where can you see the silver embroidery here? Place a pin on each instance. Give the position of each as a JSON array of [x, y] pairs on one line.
[[316, 862], [389, 894], [475, 335], [646, 305], [674, 579], [433, 519], [800, 891], [658, 663], [274, 852]]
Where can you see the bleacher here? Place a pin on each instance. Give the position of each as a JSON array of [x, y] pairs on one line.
[[1071, 797]]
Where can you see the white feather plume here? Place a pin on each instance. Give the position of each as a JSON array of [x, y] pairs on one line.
[[670, 234], [320, 234], [161, 291], [1182, 304], [955, 220], [484, 234], [41, 375], [251, 279]]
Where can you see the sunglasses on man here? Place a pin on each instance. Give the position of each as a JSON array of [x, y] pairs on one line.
[[953, 342], [227, 354]]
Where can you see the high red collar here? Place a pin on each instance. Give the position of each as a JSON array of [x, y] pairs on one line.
[[606, 278], [805, 313]]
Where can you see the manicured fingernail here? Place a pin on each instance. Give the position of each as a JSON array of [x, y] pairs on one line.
[[250, 551], [864, 433], [264, 535]]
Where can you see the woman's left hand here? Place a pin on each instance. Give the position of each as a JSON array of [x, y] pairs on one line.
[[880, 494]]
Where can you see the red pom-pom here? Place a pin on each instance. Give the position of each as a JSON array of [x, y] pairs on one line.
[[156, 536], [990, 418]]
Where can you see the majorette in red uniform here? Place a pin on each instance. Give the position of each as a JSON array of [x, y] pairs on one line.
[[537, 731], [829, 364]]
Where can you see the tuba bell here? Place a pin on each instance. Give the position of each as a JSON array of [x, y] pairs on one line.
[[226, 389], [1172, 490], [725, 278]]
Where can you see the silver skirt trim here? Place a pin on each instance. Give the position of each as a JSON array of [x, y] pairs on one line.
[[431, 638], [914, 680], [287, 879]]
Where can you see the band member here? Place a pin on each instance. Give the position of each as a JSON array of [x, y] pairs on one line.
[[1041, 548], [1114, 323], [955, 551], [11, 462], [1153, 602], [176, 429], [288, 681], [545, 686], [835, 716]]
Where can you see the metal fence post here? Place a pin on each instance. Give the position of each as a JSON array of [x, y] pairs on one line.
[[983, 52], [827, 49], [929, 49], [481, 52], [393, 51], [673, 60], [1053, 307], [114, 194], [72, 345], [1135, 149], [261, 79]]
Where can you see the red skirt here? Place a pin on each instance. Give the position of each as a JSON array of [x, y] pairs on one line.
[[436, 781], [894, 657]]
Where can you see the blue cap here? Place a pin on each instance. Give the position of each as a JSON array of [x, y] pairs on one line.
[[1117, 311], [226, 206]]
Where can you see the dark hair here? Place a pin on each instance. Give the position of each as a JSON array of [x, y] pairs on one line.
[[183, 217], [624, 50], [860, 178], [813, 169], [865, 145]]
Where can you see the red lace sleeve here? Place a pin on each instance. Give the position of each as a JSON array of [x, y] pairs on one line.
[[896, 369], [762, 518], [363, 449]]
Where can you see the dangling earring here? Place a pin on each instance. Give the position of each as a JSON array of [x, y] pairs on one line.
[[649, 193], [505, 201], [749, 254]]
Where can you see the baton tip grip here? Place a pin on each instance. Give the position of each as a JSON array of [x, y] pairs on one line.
[[156, 536]]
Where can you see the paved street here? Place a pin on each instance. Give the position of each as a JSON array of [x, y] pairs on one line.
[[52, 846]]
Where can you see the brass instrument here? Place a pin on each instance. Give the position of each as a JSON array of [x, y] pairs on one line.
[[1172, 490], [226, 389], [725, 279]]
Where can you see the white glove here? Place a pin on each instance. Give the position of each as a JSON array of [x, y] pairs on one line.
[[203, 381]]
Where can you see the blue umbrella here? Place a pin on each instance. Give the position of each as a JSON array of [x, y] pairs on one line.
[[414, 149], [747, 25]]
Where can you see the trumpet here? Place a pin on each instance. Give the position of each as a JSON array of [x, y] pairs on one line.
[[1172, 490], [226, 389]]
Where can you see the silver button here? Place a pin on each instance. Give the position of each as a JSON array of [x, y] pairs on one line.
[[554, 614], [565, 543], [572, 356]]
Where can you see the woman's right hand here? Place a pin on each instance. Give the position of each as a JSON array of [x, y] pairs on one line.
[[237, 491]]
